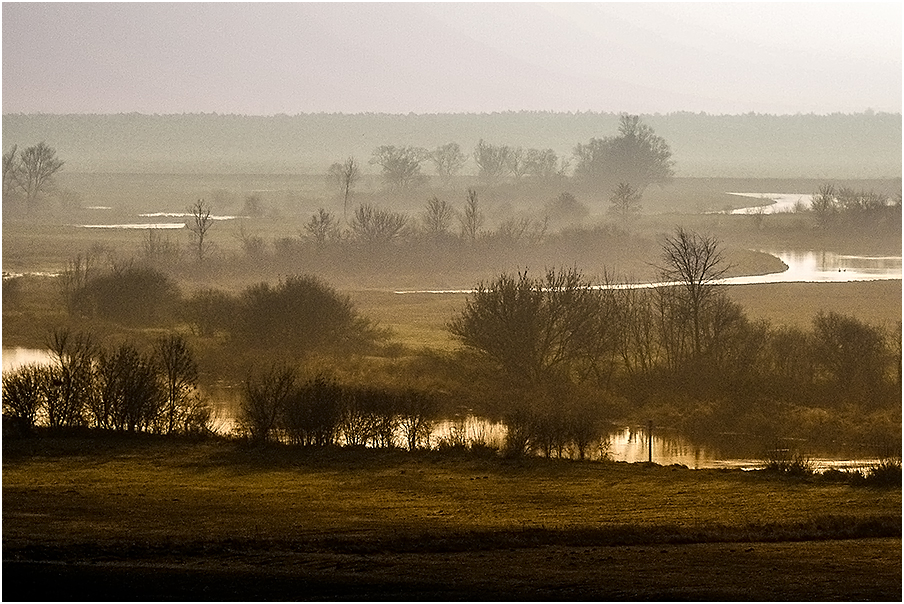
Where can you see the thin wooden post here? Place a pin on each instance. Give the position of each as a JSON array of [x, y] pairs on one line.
[[650, 440]]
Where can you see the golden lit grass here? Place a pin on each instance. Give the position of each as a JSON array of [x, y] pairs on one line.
[[875, 302], [81, 490], [146, 519], [418, 320]]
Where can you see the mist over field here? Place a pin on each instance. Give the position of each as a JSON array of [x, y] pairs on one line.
[[854, 146], [441, 301]]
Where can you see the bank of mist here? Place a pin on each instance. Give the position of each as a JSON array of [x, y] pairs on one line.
[[557, 361]]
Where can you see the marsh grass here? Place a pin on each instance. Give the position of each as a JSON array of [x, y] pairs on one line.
[[786, 461]]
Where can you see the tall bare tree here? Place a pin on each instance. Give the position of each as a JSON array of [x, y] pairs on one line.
[[492, 161], [437, 217], [346, 175], [695, 263], [448, 161], [10, 172], [199, 223], [472, 218], [179, 373]]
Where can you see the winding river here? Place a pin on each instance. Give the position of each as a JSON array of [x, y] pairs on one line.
[[631, 444]]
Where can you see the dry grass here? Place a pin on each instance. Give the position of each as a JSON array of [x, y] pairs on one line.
[[149, 519], [875, 302]]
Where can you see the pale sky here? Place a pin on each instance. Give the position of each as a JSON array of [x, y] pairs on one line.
[[270, 58]]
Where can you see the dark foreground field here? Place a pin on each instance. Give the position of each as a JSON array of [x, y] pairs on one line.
[[147, 519]]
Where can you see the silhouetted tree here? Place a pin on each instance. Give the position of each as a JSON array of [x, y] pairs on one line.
[[129, 393], [199, 224], [401, 166], [179, 377], [376, 226], [300, 314], [72, 377], [492, 161], [133, 295], [852, 355], [695, 263], [24, 396], [312, 413], [437, 217], [35, 170], [346, 175], [416, 411], [472, 218], [533, 329], [625, 200], [265, 395], [448, 161], [637, 156]]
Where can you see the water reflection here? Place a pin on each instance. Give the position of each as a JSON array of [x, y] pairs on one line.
[[625, 444], [775, 203], [824, 267], [13, 358]]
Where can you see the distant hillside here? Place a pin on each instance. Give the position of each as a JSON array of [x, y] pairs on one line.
[[865, 145]]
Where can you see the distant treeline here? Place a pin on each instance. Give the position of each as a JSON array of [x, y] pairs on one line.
[[863, 145]]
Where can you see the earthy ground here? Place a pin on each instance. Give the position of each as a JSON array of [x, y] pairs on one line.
[[151, 520]]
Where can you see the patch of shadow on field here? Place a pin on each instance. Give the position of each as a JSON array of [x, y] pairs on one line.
[[826, 570]]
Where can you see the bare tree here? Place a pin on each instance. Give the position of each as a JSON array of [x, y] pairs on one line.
[[437, 217], [199, 223], [448, 161], [265, 395], [401, 166], [536, 329], [322, 227], [492, 161], [637, 155], [36, 168], [625, 200], [11, 170], [375, 225], [472, 218], [179, 373], [824, 205], [695, 263], [516, 162], [24, 395], [346, 175], [543, 164], [71, 385]]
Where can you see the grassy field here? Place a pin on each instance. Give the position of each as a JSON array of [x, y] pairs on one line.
[[418, 319], [151, 519]]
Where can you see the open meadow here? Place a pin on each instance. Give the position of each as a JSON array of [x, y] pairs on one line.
[[113, 516], [148, 518]]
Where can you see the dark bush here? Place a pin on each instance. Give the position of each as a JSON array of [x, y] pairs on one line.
[[24, 396], [300, 314], [134, 296], [312, 413]]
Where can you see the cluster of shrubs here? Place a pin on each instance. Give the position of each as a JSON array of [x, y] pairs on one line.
[[277, 405], [886, 472], [299, 313], [119, 388]]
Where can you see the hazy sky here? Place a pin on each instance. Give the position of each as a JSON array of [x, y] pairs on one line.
[[267, 58]]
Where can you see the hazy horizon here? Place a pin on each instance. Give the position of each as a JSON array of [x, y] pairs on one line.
[[426, 58]]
